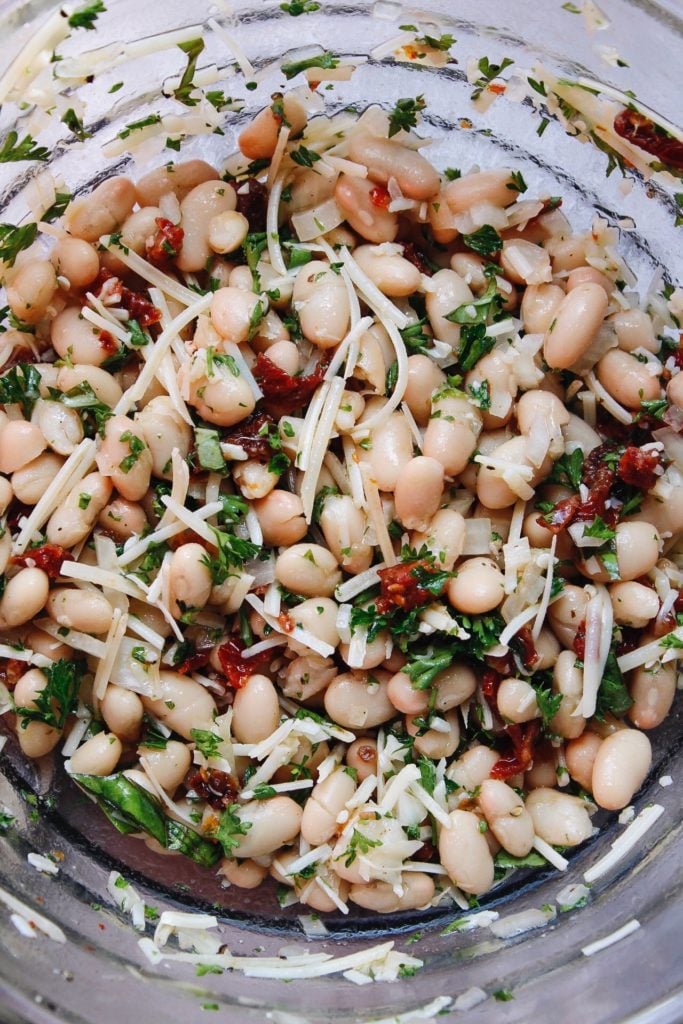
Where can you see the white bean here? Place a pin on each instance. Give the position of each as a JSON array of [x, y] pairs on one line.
[[392, 273], [169, 765], [97, 756], [177, 179], [559, 819], [164, 429], [385, 159], [653, 691], [87, 611], [25, 595], [269, 825], [102, 211], [359, 700], [568, 681], [20, 444], [391, 450], [73, 521], [621, 766], [308, 569], [31, 290], [189, 579], [626, 379], [125, 458], [197, 209], [477, 587], [322, 302], [507, 817], [370, 219], [281, 516], [576, 323], [256, 712], [122, 710], [327, 799], [182, 704], [465, 854]]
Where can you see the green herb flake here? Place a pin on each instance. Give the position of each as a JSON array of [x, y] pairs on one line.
[[484, 241], [518, 183], [488, 72], [207, 743], [404, 114], [324, 60], [136, 447], [86, 16], [298, 7], [53, 704], [14, 239], [503, 995], [75, 125], [186, 86]]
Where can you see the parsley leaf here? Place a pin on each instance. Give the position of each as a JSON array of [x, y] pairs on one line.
[[613, 695], [86, 16], [568, 470], [480, 395], [83, 398], [404, 114], [548, 704], [671, 642], [518, 183], [304, 157], [232, 554], [14, 239], [53, 704], [325, 60], [207, 742], [359, 843], [422, 669], [136, 447], [12, 150], [193, 48], [489, 71], [21, 386], [230, 828], [474, 343], [75, 125], [264, 792], [297, 7], [437, 42], [599, 529], [489, 304], [415, 339], [485, 241]]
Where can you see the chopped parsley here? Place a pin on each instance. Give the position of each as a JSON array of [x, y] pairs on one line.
[[474, 344], [207, 742], [489, 304], [484, 241], [359, 843], [404, 114], [12, 150], [304, 157], [230, 828], [136, 126], [13, 239], [75, 125], [232, 554], [186, 86], [86, 16], [325, 60], [21, 386], [518, 183], [488, 71], [297, 7], [136, 447], [208, 448], [53, 704]]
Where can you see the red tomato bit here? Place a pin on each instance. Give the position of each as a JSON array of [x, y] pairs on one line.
[[379, 196], [529, 653], [11, 671], [524, 738], [216, 787], [252, 202], [644, 133], [282, 393], [638, 468], [48, 557], [251, 434], [236, 668], [166, 244], [401, 587], [108, 343]]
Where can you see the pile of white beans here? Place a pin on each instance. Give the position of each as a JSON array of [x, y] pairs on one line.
[[421, 461]]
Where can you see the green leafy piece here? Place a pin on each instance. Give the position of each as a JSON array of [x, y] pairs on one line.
[[192, 49], [572, 8], [83, 398], [543, 124], [568, 470], [232, 553], [208, 448], [415, 339], [655, 408], [234, 509], [298, 257], [62, 200], [671, 642], [359, 843], [207, 742], [406, 971], [202, 969], [474, 344], [57, 700], [480, 395], [392, 377], [252, 247], [431, 580], [518, 183], [14, 239], [12, 151], [21, 386], [151, 737], [264, 792], [137, 337], [485, 240], [151, 561], [185, 840], [404, 114], [531, 860], [478, 311], [86, 16], [538, 87], [6, 819], [257, 314], [548, 704], [75, 125], [218, 100], [298, 7], [427, 773], [136, 126], [230, 828], [503, 995], [136, 447], [599, 529], [678, 198], [325, 60], [321, 497], [424, 668], [443, 42], [304, 157], [452, 173], [613, 696], [488, 72]]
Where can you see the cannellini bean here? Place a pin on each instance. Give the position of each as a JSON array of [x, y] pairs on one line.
[[122, 711], [254, 479], [540, 304], [454, 686], [477, 587], [222, 396], [30, 291], [245, 874], [567, 613], [523, 262], [637, 545], [392, 273], [418, 492], [75, 338], [60, 426], [344, 528], [434, 743], [472, 767], [568, 681], [674, 391], [635, 330], [653, 691], [576, 323], [140, 228], [534, 405], [405, 697], [164, 429], [375, 652], [351, 409], [87, 611], [7, 489], [452, 432], [359, 700], [227, 231], [169, 765], [424, 378], [75, 260], [385, 159], [580, 756], [35, 738], [319, 616], [308, 569], [182, 704], [371, 220], [417, 888], [666, 516], [465, 854], [189, 579], [104, 210], [547, 649], [492, 490], [494, 368], [584, 275], [43, 643], [258, 140], [281, 517], [284, 354], [256, 712], [626, 379], [322, 302], [442, 221], [25, 595], [125, 458], [391, 450], [232, 310], [307, 675], [122, 519], [507, 817], [480, 187], [633, 604], [448, 292], [97, 756], [540, 536], [559, 819], [569, 253], [178, 179], [73, 521], [517, 701], [471, 270], [20, 444], [621, 765], [197, 209], [106, 388], [362, 756], [272, 823], [327, 800], [445, 537]]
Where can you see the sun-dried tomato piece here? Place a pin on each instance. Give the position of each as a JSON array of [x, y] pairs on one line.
[[490, 681], [218, 788], [529, 653], [252, 202], [166, 244], [524, 738], [138, 305], [108, 343], [645, 134], [247, 435], [11, 671], [48, 557], [200, 647], [638, 468], [282, 393], [562, 515], [401, 586], [188, 537], [417, 258], [17, 511], [503, 664], [426, 852], [379, 196], [579, 643], [236, 668]]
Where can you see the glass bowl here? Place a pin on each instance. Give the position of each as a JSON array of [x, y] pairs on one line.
[[99, 974]]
